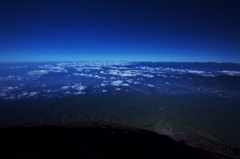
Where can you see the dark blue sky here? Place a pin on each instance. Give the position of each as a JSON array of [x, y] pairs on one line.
[[76, 30]]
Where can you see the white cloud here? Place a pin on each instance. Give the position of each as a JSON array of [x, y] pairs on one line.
[[126, 74], [124, 84], [207, 75], [114, 72], [53, 69], [136, 82], [10, 88], [12, 96], [195, 71], [96, 76], [2, 94], [116, 83], [65, 87], [232, 73], [33, 94], [80, 92], [149, 76], [150, 85], [118, 89], [23, 94], [88, 75], [129, 80], [103, 85], [104, 90], [78, 87], [38, 72]]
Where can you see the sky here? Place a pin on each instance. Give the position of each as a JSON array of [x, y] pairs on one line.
[[120, 30]]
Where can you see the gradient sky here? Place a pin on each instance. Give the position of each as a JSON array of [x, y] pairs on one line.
[[134, 30]]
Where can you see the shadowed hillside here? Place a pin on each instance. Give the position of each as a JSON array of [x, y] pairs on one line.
[[90, 140]]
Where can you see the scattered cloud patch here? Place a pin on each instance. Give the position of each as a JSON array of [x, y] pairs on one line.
[[32, 94], [38, 72], [103, 85], [88, 75], [65, 87], [116, 83], [136, 82], [77, 93], [150, 85], [23, 94], [231, 73], [149, 76], [78, 87], [2, 94], [53, 69]]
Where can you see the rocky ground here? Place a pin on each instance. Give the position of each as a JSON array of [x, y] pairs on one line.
[[96, 139]]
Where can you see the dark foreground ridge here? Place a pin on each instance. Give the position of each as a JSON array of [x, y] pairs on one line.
[[91, 139]]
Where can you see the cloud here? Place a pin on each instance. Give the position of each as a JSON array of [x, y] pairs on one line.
[[12, 96], [207, 75], [114, 72], [118, 89], [231, 73], [116, 83], [96, 76], [78, 87], [53, 69], [2, 94], [104, 90], [150, 85], [129, 80], [103, 85], [65, 87], [102, 72], [88, 75], [33, 94], [195, 71], [149, 76], [125, 84], [23, 94], [136, 82], [38, 72], [43, 85], [77, 93]]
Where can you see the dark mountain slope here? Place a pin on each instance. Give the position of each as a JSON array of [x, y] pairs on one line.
[[90, 140]]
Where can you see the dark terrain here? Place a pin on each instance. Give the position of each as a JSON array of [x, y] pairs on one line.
[[90, 139]]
